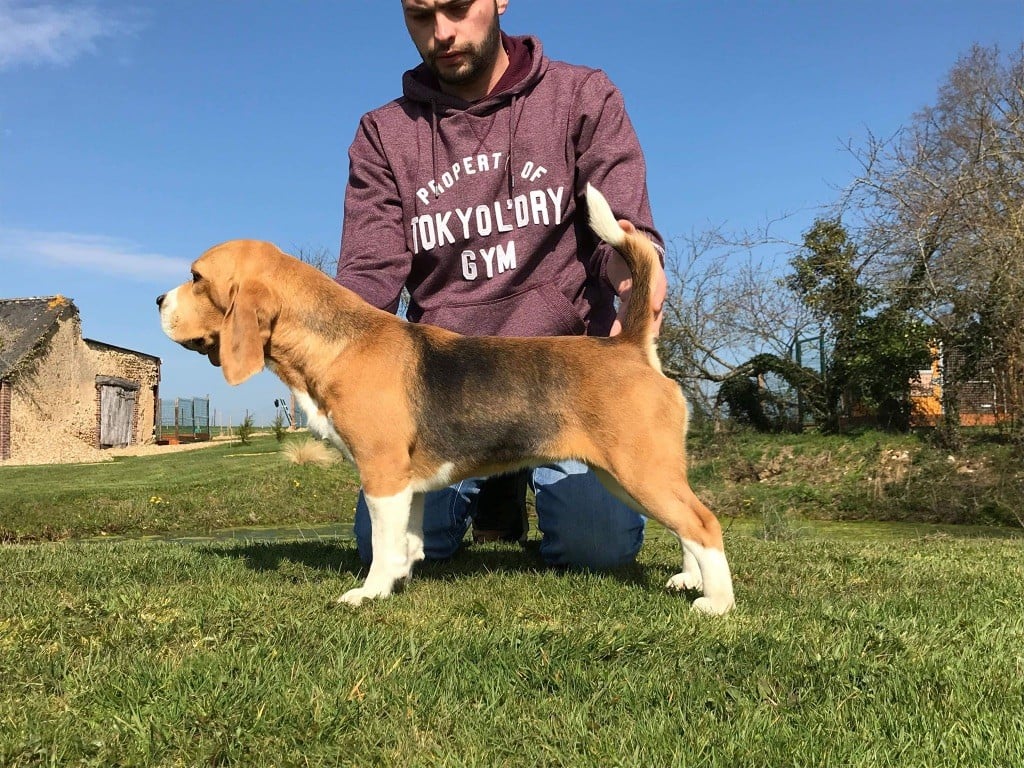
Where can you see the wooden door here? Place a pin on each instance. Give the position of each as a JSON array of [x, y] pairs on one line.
[[117, 406]]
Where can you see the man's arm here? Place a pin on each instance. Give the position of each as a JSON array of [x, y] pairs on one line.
[[608, 155], [374, 260]]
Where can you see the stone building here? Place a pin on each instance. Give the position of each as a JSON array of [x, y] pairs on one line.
[[60, 393]]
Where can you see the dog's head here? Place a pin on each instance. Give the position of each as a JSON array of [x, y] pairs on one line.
[[226, 310]]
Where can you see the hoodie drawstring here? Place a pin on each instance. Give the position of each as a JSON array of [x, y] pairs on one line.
[[433, 144], [513, 126], [513, 123]]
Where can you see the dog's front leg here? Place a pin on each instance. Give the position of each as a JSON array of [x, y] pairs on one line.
[[396, 529], [415, 537]]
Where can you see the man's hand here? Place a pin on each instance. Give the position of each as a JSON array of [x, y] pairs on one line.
[[622, 282]]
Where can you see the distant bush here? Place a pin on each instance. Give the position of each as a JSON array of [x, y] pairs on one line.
[[246, 429], [278, 426]]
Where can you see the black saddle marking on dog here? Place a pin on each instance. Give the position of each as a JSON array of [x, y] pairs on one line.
[[475, 399]]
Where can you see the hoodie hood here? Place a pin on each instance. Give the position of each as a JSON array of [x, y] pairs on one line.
[[526, 67]]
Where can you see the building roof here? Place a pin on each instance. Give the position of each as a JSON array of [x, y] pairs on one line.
[[25, 326], [116, 348]]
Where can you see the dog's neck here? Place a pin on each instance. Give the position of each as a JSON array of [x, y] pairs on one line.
[[312, 334]]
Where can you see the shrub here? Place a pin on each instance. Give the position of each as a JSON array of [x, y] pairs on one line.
[[246, 429], [278, 425], [309, 451]]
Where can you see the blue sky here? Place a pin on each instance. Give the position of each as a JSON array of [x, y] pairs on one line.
[[134, 136]]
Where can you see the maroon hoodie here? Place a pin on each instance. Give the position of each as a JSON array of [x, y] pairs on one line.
[[473, 206]]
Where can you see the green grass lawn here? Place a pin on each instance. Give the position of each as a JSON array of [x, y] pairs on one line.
[[853, 644], [902, 650], [864, 476], [199, 491]]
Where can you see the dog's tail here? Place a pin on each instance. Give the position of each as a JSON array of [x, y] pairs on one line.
[[641, 257]]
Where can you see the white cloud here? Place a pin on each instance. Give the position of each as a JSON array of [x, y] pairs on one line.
[[42, 33], [92, 253]]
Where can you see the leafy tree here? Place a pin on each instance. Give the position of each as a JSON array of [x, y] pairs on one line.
[[876, 347], [748, 401], [882, 356], [825, 278]]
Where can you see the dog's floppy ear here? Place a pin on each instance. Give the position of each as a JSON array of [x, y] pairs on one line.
[[245, 332]]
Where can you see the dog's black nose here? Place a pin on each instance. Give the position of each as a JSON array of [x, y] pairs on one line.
[[160, 299]]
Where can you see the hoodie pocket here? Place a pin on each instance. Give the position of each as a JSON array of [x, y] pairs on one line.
[[539, 311]]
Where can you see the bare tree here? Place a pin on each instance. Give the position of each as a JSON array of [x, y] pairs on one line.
[[318, 256], [727, 303], [941, 207], [327, 262]]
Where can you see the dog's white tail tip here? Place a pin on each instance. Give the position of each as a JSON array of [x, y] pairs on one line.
[[601, 218]]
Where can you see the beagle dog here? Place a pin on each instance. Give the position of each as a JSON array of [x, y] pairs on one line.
[[403, 401]]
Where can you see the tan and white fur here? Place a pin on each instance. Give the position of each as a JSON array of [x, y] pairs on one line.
[[417, 408]]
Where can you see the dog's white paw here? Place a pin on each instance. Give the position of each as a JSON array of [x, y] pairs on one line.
[[355, 597], [685, 581], [712, 607]]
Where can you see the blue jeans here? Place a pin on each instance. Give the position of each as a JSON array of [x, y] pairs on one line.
[[583, 525]]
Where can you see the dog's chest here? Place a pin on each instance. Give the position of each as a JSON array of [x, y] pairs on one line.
[[320, 423]]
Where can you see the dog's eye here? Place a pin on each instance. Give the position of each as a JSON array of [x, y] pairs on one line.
[[195, 276]]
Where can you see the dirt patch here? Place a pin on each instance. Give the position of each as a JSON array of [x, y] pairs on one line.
[[775, 465], [151, 449], [77, 452], [893, 466]]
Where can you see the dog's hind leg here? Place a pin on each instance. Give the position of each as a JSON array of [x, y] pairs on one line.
[[677, 508], [700, 534], [707, 549], [397, 539], [689, 578]]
